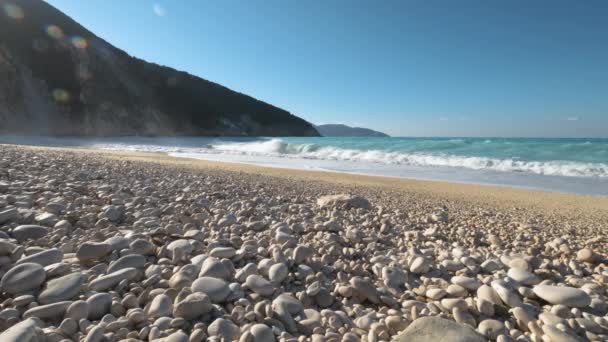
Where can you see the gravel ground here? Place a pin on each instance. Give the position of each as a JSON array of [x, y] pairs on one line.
[[98, 246]]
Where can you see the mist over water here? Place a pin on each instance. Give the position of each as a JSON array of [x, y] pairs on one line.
[[568, 165]]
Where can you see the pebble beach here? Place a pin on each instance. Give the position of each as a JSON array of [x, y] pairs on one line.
[[101, 246]]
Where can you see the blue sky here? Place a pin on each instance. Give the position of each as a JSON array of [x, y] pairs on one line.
[[411, 68]]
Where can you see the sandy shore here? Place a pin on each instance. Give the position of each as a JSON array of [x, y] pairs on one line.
[[498, 197], [122, 246]]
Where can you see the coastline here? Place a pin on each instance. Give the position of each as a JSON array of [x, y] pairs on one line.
[[491, 196]]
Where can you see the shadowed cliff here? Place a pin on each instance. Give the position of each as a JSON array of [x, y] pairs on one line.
[[57, 78]]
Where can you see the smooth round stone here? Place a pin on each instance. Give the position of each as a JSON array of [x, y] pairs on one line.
[[77, 310], [419, 265], [62, 288], [223, 252], [568, 296], [99, 304], [8, 215], [586, 255], [549, 318], [365, 289], [118, 242], [393, 277], [262, 333], [55, 208], [458, 291], [92, 251], [112, 213], [49, 311], [435, 293], [324, 299], [491, 328], [301, 253], [161, 306], [213, 267], [23, 278], [95, 334], [506, 294], [491, 265], [557, 335], [68, 326], [287, 302], [63, 224], [26, 330], [488, 294], [29, 232], [246, 271], [523, 276], [183, 278], [46, 219], [6, 247], [427, 329], [127, 261], [215, 288], [23, 300], [9, 313], [108, 281], [177, 336], [259, 285], [278, 272], [194, 305], [344, 201], [468, 283], [313, 289], [143, 247], [182, 246], [58, 270], [257, 226], [43, 258], [451, 303], [163, 323], [523, 317], [223, 328]]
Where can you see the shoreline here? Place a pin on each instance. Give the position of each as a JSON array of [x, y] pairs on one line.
[[481, 183], [497, 196]]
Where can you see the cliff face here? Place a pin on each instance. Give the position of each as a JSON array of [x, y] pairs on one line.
[[58, 78]]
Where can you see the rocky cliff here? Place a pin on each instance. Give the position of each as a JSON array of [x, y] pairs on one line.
[[57, 78]]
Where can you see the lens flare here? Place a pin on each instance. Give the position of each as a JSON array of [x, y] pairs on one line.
[[61, 95], [13, 11], [79, 42], [54, 31]]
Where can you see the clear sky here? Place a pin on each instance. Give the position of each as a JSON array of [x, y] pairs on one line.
[[411, 68]]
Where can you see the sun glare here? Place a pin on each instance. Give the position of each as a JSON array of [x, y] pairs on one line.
[[61, 95], [13, 11], [54, 31], [79, 42]]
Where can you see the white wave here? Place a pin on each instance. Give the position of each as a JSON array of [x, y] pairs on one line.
[[277, 147], [280, 148]]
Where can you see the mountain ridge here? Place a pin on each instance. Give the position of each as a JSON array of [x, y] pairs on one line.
[[340, 130], [59, 78]]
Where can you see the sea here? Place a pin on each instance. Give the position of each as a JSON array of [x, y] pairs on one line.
[[551, 164]]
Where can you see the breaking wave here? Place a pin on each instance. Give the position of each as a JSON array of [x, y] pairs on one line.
[[281, 148]]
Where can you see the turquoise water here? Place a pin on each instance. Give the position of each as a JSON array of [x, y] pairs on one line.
[[528, 149], [569, 165], [564, 157]]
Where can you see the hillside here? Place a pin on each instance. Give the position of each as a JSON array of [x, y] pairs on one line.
[[347, 131], [58, 78]]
